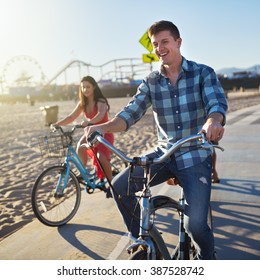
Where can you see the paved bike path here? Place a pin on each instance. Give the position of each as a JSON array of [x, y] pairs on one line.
[[97, 231], [236, 199]]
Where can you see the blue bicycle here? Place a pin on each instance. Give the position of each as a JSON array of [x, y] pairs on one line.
[[56, 193]]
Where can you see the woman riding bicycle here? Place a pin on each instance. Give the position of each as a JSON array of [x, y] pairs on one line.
[[95, 108]]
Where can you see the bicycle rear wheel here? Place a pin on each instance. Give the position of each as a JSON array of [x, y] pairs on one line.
[[53, 203]]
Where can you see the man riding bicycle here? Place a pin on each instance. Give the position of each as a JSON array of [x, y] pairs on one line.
[[186, 98]]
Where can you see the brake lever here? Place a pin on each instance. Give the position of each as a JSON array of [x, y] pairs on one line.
[[207, 145], [218, 147]]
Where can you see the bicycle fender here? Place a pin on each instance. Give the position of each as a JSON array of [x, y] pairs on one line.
[[162, 201]]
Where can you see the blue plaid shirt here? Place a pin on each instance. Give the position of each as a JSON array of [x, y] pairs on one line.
[[179, 110]]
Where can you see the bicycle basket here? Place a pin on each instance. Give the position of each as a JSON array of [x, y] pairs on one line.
[[53, 145]]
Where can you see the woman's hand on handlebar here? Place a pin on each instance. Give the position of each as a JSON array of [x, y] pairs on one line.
[[54, 127], [85, 123]]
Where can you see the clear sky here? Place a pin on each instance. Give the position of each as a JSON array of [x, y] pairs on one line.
[[221, 33]]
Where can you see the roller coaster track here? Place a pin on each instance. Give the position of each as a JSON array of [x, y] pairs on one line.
[[118, 69]]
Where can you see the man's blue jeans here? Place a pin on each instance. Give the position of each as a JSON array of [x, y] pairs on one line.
[[196, 183]]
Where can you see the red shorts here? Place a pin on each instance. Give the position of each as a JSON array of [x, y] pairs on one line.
[[102, 149]]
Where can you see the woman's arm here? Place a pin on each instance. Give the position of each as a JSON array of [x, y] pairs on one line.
[[115, 125], [71, 117]]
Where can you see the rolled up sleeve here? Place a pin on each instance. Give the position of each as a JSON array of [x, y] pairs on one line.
[[213, 94], [137, 107]]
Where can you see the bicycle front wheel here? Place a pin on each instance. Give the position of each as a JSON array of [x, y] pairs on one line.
[[55, 199], [139, 254]]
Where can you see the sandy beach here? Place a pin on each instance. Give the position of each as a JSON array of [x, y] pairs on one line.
[[21, 162]]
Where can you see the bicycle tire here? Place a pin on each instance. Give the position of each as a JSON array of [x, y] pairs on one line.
[[54, 208], [189, 250], [157, 202], [139, 254]]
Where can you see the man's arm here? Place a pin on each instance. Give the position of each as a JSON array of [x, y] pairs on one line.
[[115, 125]]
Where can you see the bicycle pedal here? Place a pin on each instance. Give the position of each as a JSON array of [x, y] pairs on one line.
[[89, 190]]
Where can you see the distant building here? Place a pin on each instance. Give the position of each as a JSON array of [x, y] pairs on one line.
[[245, 74], [242, 74]]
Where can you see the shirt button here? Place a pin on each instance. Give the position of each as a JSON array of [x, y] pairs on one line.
[[178, 126], [177, 111]]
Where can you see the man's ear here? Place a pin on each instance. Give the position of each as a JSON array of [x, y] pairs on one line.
[[179, 41]]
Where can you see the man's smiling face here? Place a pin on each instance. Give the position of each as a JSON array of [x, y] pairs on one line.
[[166, 47]]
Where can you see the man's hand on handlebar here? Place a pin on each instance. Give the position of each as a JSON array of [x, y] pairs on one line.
[[213, 127], [93, 128]]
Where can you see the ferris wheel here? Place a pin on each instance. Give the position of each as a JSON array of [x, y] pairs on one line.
[[21, 71]]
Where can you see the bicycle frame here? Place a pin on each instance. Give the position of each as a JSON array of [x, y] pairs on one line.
[[89, 177]]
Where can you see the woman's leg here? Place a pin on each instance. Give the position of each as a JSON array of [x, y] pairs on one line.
[[106, 165], [82, 151]]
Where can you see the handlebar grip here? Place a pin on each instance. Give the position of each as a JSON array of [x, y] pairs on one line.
[[54, 128], [78, 126]]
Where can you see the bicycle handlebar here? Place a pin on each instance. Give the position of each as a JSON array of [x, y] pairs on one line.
[[54, 128], [97, 137]]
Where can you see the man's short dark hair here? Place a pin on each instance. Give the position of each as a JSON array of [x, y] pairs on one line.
[[164, 25]]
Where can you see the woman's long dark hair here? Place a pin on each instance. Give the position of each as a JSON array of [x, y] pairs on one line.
[[98, 95]]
